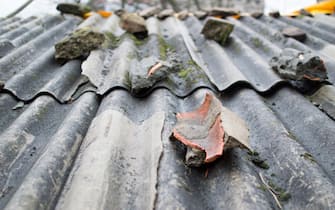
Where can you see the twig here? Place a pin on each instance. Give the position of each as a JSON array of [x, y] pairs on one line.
[[19, 9], [271, 191]]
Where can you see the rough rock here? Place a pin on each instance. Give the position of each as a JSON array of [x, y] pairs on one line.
[[275, 14], [155, 70], [74, 9], [200, 14], [183, 15], [222, 12], [119, 12], [294, 33], [165, 13], [203, 132], [296, 65], [195, 157], [148, 12], [217, 29], [78, 43], [257, 15], [133, 23]]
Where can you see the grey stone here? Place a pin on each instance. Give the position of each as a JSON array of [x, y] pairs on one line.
[[222, 12], [217, 29], [78, 43], [257, 15], [200, 14], [74, 9], [148, 12], [274, 14], [294, 33], [296, 65], [165, 13], [133, 23], [183, 15]]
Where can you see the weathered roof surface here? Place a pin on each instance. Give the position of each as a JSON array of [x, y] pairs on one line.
[[66, 144]]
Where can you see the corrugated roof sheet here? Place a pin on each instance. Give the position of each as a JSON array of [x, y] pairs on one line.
[[66, 144]]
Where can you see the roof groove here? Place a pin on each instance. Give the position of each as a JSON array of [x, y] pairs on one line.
[[32, 134]]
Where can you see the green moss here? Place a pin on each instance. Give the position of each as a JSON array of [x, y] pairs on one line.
[[137, 42], [127, 79], [282, 194], [112, 40], [256, 42], [253, 153], [262, 187], [291, 136], [308, 156], [257, 161], [300, 16], [192, 63], [164, 47], [260, 163], [131, 56], [170, 82], [184, 72], [40, 113]]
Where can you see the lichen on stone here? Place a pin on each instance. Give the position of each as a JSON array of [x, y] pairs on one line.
[[78, 43], [299, 65], [217, 29]]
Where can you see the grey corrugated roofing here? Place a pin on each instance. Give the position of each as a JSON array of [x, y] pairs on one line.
[[125, 163], [108, 149]]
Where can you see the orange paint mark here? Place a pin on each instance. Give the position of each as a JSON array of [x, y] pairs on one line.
[[104, 14]]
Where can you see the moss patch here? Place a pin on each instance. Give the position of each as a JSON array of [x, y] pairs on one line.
[[256, 42], [282, 194], [164, 48], [127, 80], [257, 161], [138, 42], [112, 40], [184, 72]]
